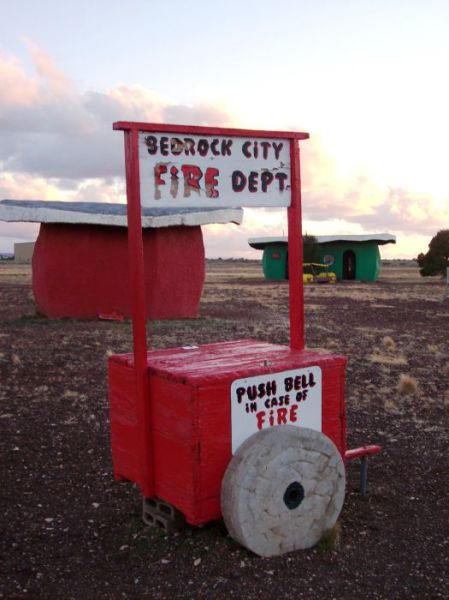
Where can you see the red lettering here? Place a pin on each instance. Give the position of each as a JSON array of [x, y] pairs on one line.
[[192, 175], [174, 182], [260, 416], [211, 182], [293, 416], [159, 170], [282, 416]]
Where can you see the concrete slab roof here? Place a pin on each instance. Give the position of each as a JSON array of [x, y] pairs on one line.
[[102, 213], [379, 238]]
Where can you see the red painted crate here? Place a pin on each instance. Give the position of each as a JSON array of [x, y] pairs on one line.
[[203, 407]]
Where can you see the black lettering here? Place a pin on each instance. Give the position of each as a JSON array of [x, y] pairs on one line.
[[271, 387], [226, 147], [281, 177], [253, 180], [240, 393], [189, 146], [213, 147], [151, 144], [176, 145], [277, 149], [261, 388], [164, 146], [245, 149], [266, 179], [203, 147], [256, 150], [238, 181], [288, 384], [251, 391], [265, 148]]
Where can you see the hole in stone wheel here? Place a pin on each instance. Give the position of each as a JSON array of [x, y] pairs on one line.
[[293, 495]]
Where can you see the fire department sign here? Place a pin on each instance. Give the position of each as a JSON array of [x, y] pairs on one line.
[[188, 170]]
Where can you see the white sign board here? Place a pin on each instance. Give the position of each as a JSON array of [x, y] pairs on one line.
[[286, 398], [191, 171]]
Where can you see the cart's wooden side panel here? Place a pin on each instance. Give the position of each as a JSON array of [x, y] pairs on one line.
[[214, 410], [334, 412], [124, 422], [176, 444]]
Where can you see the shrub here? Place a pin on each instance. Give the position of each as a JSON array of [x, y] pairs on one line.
[[436, 260], [311, 249]]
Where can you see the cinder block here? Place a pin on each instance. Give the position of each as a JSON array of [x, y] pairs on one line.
[[157, 513]]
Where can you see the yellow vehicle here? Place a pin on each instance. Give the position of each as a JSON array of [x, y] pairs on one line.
[[318, 273]]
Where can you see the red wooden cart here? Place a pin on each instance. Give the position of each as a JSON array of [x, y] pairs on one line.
[[251, 431]]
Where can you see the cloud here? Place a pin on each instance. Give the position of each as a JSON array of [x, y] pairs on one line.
[[327, 194], [49, 129]]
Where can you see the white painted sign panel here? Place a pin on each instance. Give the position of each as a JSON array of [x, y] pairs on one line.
[[286, 398], [191, 171]]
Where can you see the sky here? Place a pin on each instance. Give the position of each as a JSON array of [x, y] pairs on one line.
[[367, 79]]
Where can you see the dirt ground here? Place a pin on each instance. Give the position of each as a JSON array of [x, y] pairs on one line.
[[69, 531]]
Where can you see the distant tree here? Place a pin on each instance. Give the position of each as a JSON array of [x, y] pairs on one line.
[[436, 260], [310, 249]]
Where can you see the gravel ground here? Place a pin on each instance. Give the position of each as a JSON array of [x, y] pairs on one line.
[[69, 531]]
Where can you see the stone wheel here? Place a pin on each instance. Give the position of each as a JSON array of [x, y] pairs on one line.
[[283, 489]]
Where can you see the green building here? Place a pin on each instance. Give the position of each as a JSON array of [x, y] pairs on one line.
[[355, 257]]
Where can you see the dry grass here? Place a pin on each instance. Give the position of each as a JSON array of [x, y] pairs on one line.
[[11, 272], [433, 348], [407, 385], [332, 344], [387, 359], [16, 360], [389, 344], [391, 407]]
